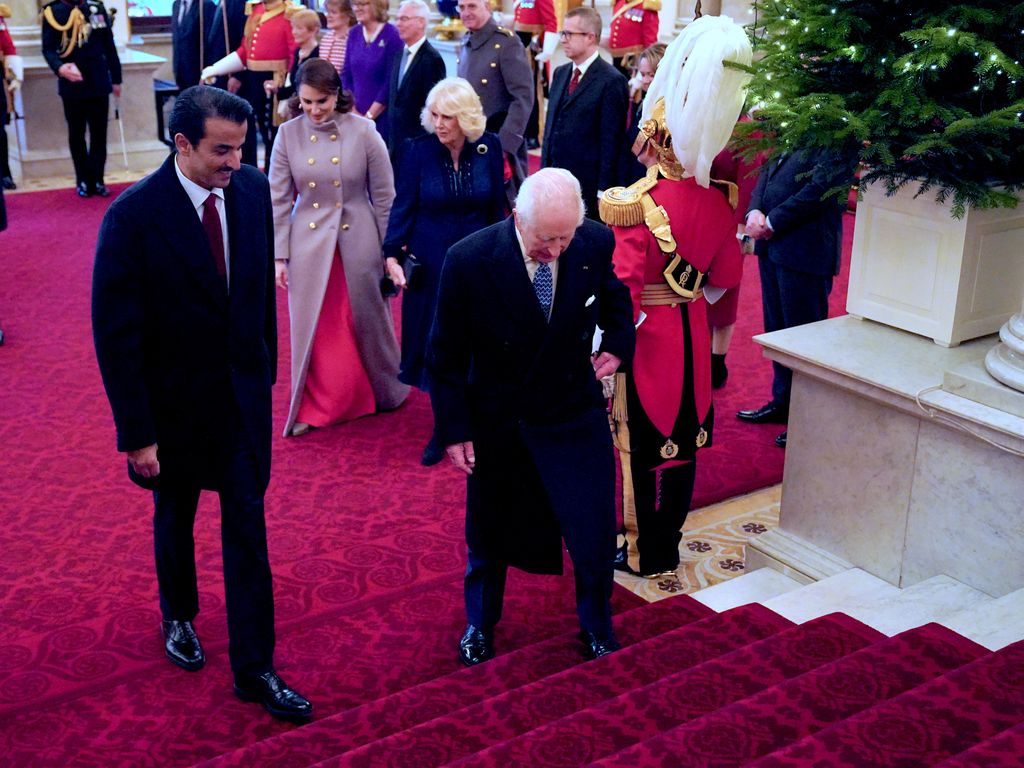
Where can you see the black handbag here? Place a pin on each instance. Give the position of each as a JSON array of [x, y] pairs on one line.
[[414, 275]]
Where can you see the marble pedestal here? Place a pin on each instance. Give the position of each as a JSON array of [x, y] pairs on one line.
[[44, 140], [886, 470]]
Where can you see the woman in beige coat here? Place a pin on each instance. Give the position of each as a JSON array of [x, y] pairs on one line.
[[332, 189]]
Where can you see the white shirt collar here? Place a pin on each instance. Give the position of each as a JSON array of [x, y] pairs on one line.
[[583, 67], [415, 47], [196, 193]]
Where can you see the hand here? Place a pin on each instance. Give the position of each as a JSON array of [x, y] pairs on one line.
[[14, 85], [395, 272], [541, 57], [117, 90], [234, 85], [605, 364], [70, 72], [462, 456], [269, 86], [757, 225], [144, 461], [281, 274]]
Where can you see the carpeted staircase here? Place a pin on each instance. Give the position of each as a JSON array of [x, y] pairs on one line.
[[692, 687]]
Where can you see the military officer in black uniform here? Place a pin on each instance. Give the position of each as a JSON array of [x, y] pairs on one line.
[[493, 60], [78, 44]]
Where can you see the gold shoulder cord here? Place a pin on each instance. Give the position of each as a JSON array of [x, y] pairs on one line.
[[74, 33], [624, 206]]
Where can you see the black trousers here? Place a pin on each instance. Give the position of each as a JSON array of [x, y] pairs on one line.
[[790, 298], [247, 580], [5, 165], [252, 91], [87, 114]]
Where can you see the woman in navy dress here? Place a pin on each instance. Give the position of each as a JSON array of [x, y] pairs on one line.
[[450, 184]]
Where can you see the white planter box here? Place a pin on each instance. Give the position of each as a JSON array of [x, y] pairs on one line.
[[917, 268]]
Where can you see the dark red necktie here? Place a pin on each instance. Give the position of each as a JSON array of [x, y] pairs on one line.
[[575, 80], [215, 235]]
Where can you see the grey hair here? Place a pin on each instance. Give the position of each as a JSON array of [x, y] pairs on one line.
[[422, 9], [546, 188]]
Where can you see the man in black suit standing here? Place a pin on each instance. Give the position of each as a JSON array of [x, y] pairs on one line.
[[797, 227], [586, 120], [415, 71], [185, 331], [189, 36], [518, 401]]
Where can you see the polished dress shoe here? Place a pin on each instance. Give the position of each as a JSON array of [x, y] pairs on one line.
[[476, 646], [101, 190], [181, 644], [276, 697], [8, 183], [596, 646], [432, 454], [781, 439], [83, 189], [772, 413]]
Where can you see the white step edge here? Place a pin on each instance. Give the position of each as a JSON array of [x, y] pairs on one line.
[[753, 587], [922, 603], [852, 592], [793, 556], [995, 624]]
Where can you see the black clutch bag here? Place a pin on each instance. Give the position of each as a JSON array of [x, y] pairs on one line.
[[414, 275]]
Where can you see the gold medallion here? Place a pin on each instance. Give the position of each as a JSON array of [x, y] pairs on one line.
[[669, 450]]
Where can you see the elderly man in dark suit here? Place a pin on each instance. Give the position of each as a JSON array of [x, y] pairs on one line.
[[586, 118], [184, 325], [415, 71], [798, 230], [189, 36], [518, 401]]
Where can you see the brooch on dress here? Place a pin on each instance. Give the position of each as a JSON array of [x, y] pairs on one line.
[[481, 149]]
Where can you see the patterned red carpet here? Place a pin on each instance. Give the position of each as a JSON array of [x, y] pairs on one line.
[[366, 547]]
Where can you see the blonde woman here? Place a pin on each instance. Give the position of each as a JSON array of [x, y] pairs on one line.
[[305, 30], [450, 184]]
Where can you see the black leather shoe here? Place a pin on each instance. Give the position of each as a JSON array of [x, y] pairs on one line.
[[101, 190], [182, 645], [771, 413], [276, 697], [781, 439], [432, 454], [476, 646], [594, 646], [83, 189], [8, 183]]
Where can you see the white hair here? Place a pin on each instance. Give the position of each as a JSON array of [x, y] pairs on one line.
[[549, 188], [422, 9], [703, 97]]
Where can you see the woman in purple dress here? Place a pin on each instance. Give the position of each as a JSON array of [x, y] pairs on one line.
[[373, 47]]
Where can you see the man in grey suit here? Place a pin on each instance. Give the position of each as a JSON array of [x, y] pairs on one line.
[[493, 60]]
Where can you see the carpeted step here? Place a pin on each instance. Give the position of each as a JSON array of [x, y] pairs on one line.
[[782, 714], [516, 711], [924, 726], [1004, 750], [410, 707], [644, 712]]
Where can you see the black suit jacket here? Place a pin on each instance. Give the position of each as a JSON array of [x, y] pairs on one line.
[[236, 17], [406, 100], [185, 41], [96, 59], [584, 132], [180, 360], [522, 389], [807, 229]]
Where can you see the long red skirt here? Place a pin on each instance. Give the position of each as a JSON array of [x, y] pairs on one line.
[[337, 385]]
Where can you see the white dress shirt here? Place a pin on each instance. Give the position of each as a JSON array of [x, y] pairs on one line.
[[198, 195], [413, 50]]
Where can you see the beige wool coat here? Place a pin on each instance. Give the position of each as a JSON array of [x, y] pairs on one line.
[[332, 184]]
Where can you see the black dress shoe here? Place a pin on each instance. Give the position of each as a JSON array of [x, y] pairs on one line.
[[182, 645], [476, 646], [772, 413], [781, 439], [596, 646], [101, 190], [83, 189], [276, 697], [432, 454], [8, 183]]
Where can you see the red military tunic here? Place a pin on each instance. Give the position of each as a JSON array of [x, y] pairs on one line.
[[268, 44], [539, 16], [634, 29]]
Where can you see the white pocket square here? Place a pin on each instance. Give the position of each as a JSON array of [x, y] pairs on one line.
[[589, 302]]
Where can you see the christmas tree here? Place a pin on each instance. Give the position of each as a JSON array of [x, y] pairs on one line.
[[929, 92]]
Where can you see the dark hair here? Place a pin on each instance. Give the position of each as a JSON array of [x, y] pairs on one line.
[[320, 74], [195, 105]]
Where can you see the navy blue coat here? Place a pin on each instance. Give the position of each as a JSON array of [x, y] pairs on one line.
[[178, 358], [406, 100]]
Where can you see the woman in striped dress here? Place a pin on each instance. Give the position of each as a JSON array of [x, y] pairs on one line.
[[340, 19]]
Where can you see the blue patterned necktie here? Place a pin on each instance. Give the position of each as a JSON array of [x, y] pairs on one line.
[[543, 288]]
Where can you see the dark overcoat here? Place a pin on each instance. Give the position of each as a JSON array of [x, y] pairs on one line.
[[523, 390], [179, 359], [406, 99], [185, 41]]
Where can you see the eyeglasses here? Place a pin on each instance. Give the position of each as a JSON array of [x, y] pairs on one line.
[[408, 18], [565, 34]]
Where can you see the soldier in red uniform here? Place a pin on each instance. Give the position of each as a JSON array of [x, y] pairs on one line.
[[265, 53], [634, 27], [538, 22], [675, 239], [12, 72]]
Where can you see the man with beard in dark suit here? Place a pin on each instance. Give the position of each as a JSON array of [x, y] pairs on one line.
[[189, 36], [186, 338], [518, 403]]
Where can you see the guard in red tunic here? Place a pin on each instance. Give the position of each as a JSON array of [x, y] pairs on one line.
[[634, 28], [538, 22], [265, 53], [675, 245]]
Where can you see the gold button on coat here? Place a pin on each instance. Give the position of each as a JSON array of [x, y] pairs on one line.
[[483, 81], [334, 137], [334, 160], [312, 185], [311, 161], [316, 205], [497, 45], [337, 183], [312, 225], [344, 227], [313, 139], [494, 64]]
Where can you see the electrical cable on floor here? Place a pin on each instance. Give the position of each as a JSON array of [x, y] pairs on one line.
[[954, 424]]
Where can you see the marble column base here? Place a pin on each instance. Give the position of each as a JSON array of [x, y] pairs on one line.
[[1005, 361]]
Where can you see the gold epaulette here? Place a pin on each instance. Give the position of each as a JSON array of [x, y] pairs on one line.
[[623, 206], [729, 189], [506, 32], [652, 5]]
